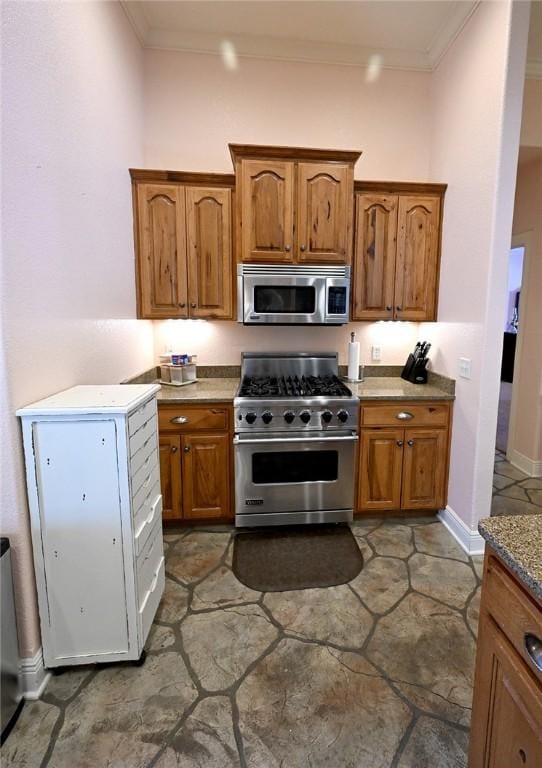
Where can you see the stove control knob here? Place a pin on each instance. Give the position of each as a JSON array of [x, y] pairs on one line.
[[327, 416], [342, 416], [289, 416], [267, 417], [251, 418], [305, 417]]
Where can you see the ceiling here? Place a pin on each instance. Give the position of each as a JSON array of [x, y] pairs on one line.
[[404, 34]]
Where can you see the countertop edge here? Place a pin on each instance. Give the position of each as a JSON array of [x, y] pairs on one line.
[[511, 560]]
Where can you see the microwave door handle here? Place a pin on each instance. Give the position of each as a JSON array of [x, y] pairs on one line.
[[267, 440]]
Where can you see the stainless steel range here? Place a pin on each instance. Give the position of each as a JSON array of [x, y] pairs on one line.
[[296, 434]]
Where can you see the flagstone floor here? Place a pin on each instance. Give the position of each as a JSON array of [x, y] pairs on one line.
[[514, 492], [376, 673]]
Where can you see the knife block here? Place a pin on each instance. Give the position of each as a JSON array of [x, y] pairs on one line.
[[415, 370]]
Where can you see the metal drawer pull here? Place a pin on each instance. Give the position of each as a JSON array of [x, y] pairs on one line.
[[533, 646], [180, 420], [173, 449], [410, 442], [400, 443], [405, 415], [186, 448]]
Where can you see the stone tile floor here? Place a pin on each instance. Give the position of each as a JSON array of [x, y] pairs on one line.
[[514, 492], [373, 674]]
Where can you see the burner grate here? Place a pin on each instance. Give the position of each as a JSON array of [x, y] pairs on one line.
[[293, 386]]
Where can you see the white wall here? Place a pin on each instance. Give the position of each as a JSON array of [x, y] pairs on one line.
[[72, 126], [477, 94]]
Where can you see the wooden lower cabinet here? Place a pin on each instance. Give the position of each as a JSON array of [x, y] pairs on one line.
[[206, 476], [196, 473], [506, 727], [403, 468], [170, 476]]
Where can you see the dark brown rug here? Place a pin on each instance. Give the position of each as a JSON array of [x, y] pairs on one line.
[[296, 557]]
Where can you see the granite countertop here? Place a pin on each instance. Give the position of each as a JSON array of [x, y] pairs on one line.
[[204, 390], [517, 539], [373, 388], [396, 388]]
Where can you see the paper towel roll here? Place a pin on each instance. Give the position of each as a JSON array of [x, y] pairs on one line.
[[353, 360]]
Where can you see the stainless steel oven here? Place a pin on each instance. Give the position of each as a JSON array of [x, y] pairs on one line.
[[299, 477], [292, 294]]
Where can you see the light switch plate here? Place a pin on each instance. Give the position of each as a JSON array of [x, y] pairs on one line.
[[465, 367], [376, 353]]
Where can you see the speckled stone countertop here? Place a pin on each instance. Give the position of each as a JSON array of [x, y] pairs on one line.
[[396, 388], [517, 539], [202, 391]]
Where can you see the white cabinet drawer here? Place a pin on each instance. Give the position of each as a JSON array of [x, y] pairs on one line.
[[147, 481], [151, 600], [144, 433], [147, 515], [148, 562], [148, 448], [142, 415]]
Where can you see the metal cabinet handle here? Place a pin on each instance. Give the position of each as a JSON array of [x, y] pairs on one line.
[[399, 308], [410, 442], [186, 448], [400, 443], [302, 247], [173, 449], [405, 415], [180, 420], [533, 646], [193, 305], [182, 304], [287, 248], [389, 308]]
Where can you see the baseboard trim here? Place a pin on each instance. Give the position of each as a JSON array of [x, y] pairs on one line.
[[470, 541], [525, 464], [34, 676]]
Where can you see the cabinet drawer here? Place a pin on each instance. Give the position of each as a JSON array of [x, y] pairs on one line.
[[146, 516], [147, 479], [141, 416], [405, 415], [189, 419], [144, 458], [148, 562], [151, 600], [515, 613], [140, 438]]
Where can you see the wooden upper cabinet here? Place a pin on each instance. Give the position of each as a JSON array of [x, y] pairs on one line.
[[161, 238], [374, 260], [208, 218], [324, 213], [418, 241], [183, 240], [267, 211], [294, 205]]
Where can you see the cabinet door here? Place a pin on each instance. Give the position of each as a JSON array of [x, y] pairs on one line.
[[324, 216], [206, 476], [374, 257], [417, 258], [208, 223], [381, 455], [507, 709], [161, 252], [267, 211], [424, 469], [170, 476]]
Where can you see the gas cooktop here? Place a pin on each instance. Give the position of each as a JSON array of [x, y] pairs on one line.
[[293, 386]]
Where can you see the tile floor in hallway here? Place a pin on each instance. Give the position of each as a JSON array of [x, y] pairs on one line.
[[514, 492], [373, 674]]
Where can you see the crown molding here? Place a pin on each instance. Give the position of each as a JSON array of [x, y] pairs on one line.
[[449, 30], [138, 19]]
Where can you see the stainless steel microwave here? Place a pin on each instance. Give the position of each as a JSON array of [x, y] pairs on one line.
[[292, 294]]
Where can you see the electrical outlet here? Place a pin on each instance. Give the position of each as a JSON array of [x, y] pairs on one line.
[[465, 367], [376, 353]]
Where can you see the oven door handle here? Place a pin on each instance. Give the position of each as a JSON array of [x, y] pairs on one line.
[[267, 440]]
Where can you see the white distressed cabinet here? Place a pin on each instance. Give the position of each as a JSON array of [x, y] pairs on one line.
[[93, 479]]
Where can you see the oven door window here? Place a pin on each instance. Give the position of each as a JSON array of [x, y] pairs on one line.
[[285, 299], [286, 467]]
